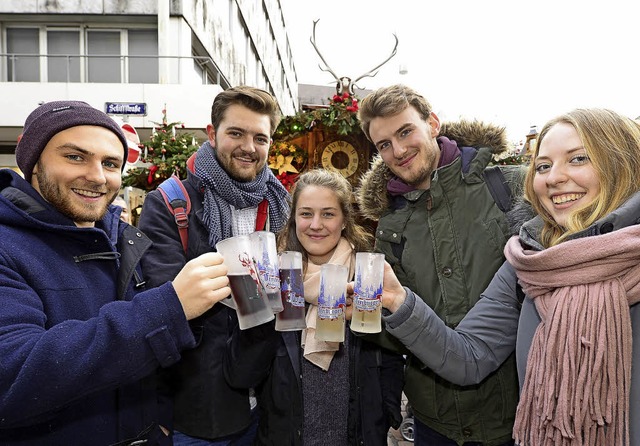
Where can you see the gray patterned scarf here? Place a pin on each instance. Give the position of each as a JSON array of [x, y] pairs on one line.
[[221, 191]]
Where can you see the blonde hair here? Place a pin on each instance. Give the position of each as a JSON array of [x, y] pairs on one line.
[[612, 143], [353, 232]]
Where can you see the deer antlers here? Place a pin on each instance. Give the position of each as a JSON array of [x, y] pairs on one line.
[[345, 83]]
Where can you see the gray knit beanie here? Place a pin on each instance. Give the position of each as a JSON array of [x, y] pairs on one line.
[[52, 118]]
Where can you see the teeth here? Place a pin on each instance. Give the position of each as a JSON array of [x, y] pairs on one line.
[[87, 193], [559, 199]]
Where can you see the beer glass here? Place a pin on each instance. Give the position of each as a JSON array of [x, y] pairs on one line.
[[332, 302], [247, 291], [367, 293], [292, 292], [265, 254]]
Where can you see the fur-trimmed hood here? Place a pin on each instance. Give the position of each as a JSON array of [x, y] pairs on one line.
[[372, 195]]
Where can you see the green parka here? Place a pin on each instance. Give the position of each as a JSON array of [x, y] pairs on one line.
[[445, 244]]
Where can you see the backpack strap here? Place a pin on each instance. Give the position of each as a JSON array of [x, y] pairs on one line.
[[177, 200], [499, 188]]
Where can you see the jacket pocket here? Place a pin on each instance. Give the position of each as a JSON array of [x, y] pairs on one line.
[[496, 233], [390, 236]]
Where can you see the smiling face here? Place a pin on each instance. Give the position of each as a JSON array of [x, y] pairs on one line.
[[79, 172], [565, 179], [241, 142], [407, 144], [319, 222]]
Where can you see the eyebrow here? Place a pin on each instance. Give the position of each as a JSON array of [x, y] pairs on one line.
[[242, 130], [72, 146], [397, 132], [569, 152], [322, 209]]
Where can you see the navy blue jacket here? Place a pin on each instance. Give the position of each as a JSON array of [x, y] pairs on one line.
[[80, 338]]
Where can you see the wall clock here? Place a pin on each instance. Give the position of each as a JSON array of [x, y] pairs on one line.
[[340, 156]]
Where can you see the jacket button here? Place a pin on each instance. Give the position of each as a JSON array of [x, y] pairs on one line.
[[138, 235], [130, 242], [395, 235], [380, 232], [466, 432], [446, 271], [606, 228]]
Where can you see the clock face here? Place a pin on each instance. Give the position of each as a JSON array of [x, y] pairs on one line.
[[340, 156]]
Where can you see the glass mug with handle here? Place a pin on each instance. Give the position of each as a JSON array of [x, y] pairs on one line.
[[292, 317], [248, 293], [367, 293], [330, 323], [263, 247]]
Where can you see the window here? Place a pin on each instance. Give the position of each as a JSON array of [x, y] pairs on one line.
[[107, 68], [21, 67], [63, 63], [59, 53], [143, 69]]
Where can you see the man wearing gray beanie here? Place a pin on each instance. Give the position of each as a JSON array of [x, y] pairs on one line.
[[81, 335]]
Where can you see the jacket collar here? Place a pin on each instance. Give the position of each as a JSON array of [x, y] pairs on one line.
[[373, 198], [24, 206]]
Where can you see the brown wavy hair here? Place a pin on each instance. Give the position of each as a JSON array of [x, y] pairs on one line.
[[389, 101], [254, 99], [353, 232]]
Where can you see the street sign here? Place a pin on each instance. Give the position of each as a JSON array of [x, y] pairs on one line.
[[126, 108]]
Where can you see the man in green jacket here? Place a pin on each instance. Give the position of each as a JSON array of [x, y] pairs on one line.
[[443, 234]]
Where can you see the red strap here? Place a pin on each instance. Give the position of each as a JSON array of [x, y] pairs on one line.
[[191, 162], [261, 219], [180, 214]]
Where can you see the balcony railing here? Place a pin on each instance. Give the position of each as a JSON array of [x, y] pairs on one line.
[[128, 69]]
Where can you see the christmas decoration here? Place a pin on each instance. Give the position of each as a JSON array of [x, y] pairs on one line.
[[164, 154], [508, 160], [339, 116]]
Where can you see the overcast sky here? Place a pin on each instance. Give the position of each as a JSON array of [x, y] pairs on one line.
[[511, 62]]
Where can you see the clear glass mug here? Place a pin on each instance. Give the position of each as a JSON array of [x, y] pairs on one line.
[[330, 323], [292, 317], [248, 294], [367, 297]]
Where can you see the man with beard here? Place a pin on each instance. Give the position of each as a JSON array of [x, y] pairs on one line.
[[442, 232], [232, 192], [81, 336]]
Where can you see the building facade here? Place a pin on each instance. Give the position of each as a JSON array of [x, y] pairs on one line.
[[139, 56]]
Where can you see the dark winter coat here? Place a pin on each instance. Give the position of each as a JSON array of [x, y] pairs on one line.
[[445, 244], [80, 338], [205, 404], [375, 383]]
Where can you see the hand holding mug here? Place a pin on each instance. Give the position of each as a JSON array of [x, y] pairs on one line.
[[393, 294], [201, 283]]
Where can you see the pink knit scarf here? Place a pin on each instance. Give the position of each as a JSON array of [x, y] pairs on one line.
[[576, 388]]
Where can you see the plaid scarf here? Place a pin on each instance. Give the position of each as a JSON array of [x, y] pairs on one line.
[[221, 192]]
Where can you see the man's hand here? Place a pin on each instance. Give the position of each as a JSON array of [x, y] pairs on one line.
[[201, 283], [393, 295]]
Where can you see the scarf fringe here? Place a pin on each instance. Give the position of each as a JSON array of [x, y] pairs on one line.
[[578, 370]]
